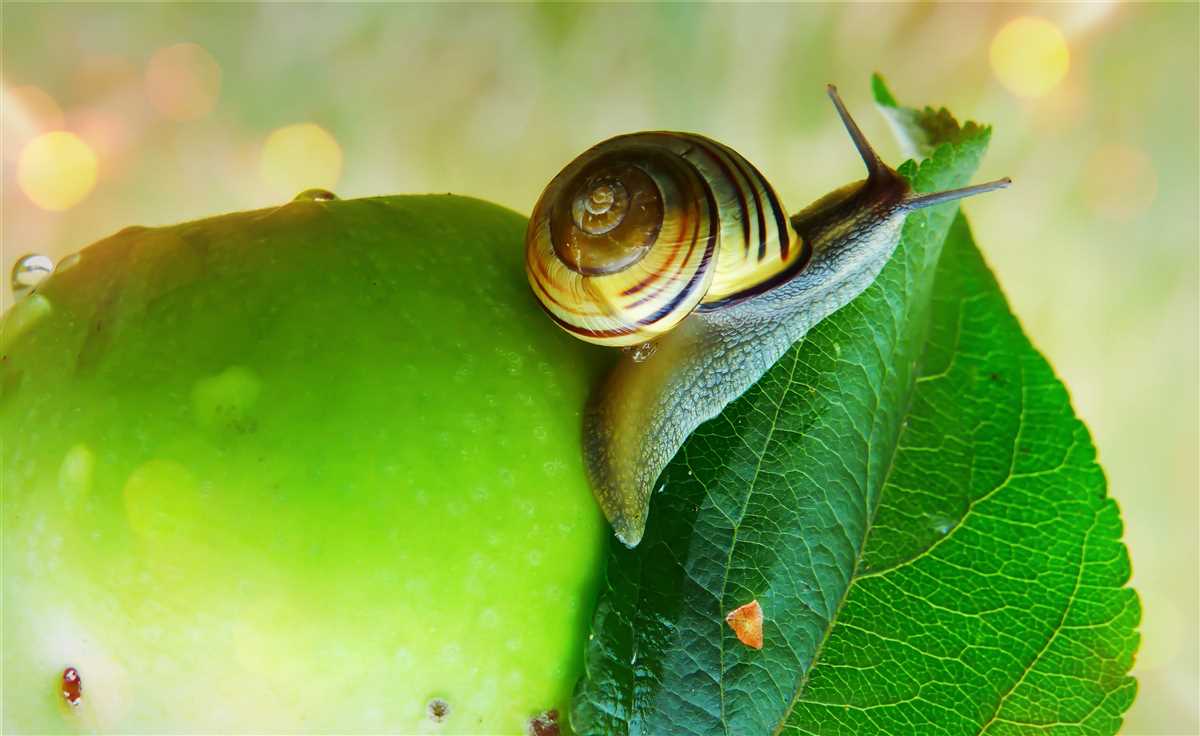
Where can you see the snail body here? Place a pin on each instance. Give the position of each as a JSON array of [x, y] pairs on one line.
[[675, 238]]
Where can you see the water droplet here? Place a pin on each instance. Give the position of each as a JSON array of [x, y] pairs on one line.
[[226, 401], [72, 687], [641, 353], [942, 524], [315, 195], [438, 710], [28, 272]]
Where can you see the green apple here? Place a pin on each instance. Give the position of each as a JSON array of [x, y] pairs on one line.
[[310, 469]]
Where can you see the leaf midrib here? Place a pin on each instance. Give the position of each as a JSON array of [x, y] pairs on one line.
[[742, 515], [909, 393]]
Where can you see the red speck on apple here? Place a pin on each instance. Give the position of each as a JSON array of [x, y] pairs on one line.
[[72, 687]]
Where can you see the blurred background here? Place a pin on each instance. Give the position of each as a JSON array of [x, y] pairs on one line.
[[115, 115]]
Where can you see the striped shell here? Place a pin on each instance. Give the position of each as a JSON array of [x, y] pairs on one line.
[[642, 229]]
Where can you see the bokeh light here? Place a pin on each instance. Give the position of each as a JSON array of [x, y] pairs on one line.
[[1030, 56], [183, 81], [33, 107], [1119, 182], [298, 157], [57, 170], [101, 76], [105, 131], [27, 111]]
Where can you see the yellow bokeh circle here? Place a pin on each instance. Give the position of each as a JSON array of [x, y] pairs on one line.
[[298, 157], [57, 170], [1030, 56]]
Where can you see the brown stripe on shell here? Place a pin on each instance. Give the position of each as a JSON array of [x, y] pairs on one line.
[[667, 282], [653, 277], [758, 210], [781, 225], [765, 285], [713, 223], [541, 285], [713, 149], [587, 332]]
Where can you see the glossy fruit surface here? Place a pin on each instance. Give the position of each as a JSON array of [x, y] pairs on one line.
[[307, 469]]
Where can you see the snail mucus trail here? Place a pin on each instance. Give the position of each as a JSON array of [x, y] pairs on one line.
[[675, 238]]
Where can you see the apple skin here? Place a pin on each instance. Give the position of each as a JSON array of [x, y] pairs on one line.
[[296, 470]]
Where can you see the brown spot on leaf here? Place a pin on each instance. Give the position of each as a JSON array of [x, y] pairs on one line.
[[544, 724], [72, 686], [746, 622]]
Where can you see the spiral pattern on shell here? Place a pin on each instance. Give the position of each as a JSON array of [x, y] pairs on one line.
[[640, 230]]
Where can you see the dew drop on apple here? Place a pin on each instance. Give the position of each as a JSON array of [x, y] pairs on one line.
[[28, 272], [315, 195]]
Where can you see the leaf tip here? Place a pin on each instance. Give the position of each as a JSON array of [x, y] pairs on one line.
[[746, 622], [883, 95]]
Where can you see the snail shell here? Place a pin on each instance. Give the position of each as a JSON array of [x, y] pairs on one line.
[[675, 238], [636, 233]]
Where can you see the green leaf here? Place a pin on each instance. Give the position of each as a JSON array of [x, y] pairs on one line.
[[910, 499]]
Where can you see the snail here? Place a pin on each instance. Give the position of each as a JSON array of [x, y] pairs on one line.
[[676, 239]]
